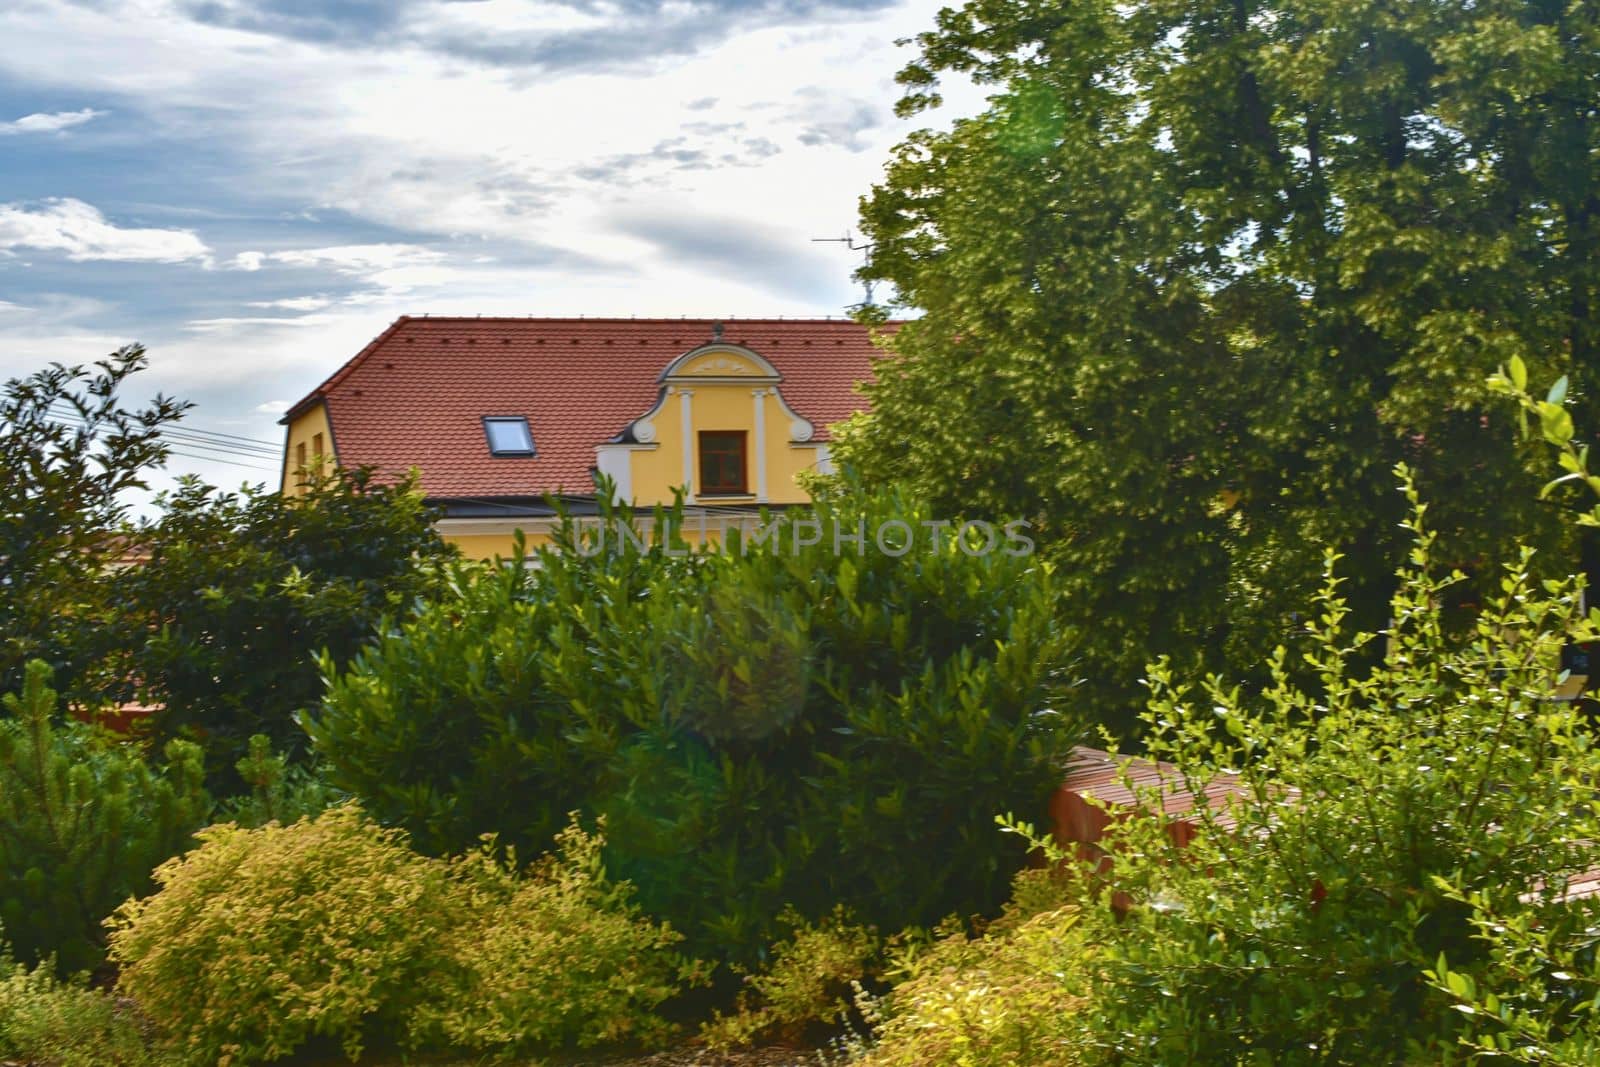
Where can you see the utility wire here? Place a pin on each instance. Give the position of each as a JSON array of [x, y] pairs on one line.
[[210, 458], [199, 436]]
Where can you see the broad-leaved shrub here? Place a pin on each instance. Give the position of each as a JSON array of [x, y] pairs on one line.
[[50, 1022], [262, 939], [806, 982], [798, 721]]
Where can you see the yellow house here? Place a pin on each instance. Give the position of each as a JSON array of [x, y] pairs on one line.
[[499, 414]]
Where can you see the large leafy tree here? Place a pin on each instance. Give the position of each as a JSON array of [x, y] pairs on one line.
[[216, 608], [71, 450], [1204, 270]]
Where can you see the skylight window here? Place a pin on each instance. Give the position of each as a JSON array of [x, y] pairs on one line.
[[509, 436]]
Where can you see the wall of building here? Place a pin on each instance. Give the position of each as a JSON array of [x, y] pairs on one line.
[[308, 442]]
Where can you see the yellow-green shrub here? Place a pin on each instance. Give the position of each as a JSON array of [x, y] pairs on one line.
[[259, 939], [1012, 996], [50, 1023], [807, 981], [559, 958]]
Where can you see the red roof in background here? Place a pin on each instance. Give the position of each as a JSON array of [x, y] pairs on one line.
[[417, 394]]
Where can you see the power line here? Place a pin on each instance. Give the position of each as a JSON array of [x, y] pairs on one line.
[[200, 436], [215, 457], [180, 437]]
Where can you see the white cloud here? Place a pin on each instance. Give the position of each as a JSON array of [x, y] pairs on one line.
[[297, 303], [225, 325], [274, 407], [248, 261], [83, 233], [53, 122], [359, 259]]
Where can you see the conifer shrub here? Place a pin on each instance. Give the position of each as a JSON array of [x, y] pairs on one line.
[[84, 819], [792, 722]]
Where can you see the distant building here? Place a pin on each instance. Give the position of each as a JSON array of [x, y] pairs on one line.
[[498, 413]]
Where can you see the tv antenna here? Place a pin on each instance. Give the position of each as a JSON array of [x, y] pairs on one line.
[[865, 248]]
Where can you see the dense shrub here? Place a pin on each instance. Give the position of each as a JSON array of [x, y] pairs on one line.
[[778, 724], [558, 959], [806, 982], [83, 821], [260, 940], [280, 791], [1013, 996], [1303, 923], [46, 1022], [221, 625]]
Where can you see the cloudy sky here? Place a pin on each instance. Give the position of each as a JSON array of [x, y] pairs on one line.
[[255, 188]]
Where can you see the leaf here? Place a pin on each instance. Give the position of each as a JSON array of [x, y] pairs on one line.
[[1519, 373], [1558, 392]]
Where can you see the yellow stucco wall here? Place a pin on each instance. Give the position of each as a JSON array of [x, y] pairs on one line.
[[306, 431], [724, 391]]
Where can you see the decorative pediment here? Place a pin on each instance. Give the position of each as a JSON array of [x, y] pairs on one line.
[[720, 361]]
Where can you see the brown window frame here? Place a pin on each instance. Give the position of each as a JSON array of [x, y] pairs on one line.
[[743, 454]]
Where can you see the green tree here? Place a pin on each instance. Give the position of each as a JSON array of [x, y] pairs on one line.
[[1204, 271], [83, 822], [70, 451], [222, 624]]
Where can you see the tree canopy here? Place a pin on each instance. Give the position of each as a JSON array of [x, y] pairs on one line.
[[1204, 271]]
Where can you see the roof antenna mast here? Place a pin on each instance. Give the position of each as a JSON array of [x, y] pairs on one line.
[[865, 248]]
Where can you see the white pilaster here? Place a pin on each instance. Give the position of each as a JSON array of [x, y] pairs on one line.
[[761, 444], [685, 406]]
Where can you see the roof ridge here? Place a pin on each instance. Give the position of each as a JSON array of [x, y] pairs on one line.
[[611, 319]]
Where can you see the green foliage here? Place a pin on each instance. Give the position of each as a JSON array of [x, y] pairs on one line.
[[768, 726], [242, 591], [561, 958], [70, 452], [1204, 271], [83, 820], [260, 940], [804, 983], [1304, 921], [280, 791], [46, 1022], [1010, 997]]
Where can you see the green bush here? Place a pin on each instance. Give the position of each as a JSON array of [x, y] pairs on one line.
[[1013, 996], [46, 1022], [260, 940], [1323, 913], [280, 791], [805, 983], [761, 727], [83, 821], [560, 958], [223, 621]]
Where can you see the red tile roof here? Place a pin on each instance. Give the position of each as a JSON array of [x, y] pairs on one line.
[[416, 395]]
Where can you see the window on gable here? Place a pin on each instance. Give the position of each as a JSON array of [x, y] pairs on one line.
[[722, 461], [509, 436]]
